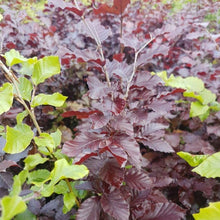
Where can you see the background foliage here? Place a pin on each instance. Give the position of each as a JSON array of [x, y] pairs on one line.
[[130, 127]]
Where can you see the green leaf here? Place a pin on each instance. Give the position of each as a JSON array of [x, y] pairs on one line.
[[13, 57], [33, 160], [192, 160], [6, 97], [197, 109], [18, 182], [69, 202], [212, 212], [64, 170], [20, 116], [55, 99], [25, 87], [2, 130], [45, 140], [61, 187], [28, 66], [12, 206], [18, 138], [207, 96], [26, 215], [210, 167], [38, 177], [45, 68], [215, 106], [56, 137]]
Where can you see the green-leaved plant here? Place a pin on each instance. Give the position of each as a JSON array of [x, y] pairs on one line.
[[43, 182], [205, 100], [205, 165]]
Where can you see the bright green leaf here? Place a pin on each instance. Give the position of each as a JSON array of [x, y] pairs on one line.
[[18, 182], [47, 190], [64, 170], [55, 99], [69, 202], [215, 106], [197, 109], [13, 57], [28, 66], [20, 116], [1, 17], [212, 212], [210, 167], [6, 97], [193, 83], [12, 206], [207, 96], [45, 140], [56, 137], [38, 177], [45, 68], [25, 87], [31, 161], [18, 138], [192, 160]]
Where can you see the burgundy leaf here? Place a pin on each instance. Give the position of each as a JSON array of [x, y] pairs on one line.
[[130, 146], [89, 209], [97, 89], [111, 173], [85, 143], [123, 125], [6, 164], [115, 205], [162, 211], [99, 120], [117, 8], [138, 179], [65, 5], [78, 114], [94, 29], [119, 154], [158, 145]]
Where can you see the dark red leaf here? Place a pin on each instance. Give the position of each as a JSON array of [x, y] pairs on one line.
[[118, 7], [78, 114], [94, 29], [99, 120], [6, 164], [89, 209], [119, 154], [162, 211], [119, 57], [138, 179], [97, 89], [83, 144], [130, 146], [115, 205], [111, 173], [65, 5]]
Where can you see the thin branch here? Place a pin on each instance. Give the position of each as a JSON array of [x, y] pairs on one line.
[[134, 65], [98, 42]]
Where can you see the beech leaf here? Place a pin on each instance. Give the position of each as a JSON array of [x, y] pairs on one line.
[[115, 205], [45, 68], [89, 209], [210, 167], [211, 212], [18, 138], [55, 99], [192, 160], [13, 57], [31, 161], [6, 97], [12, 206]]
